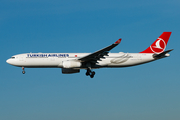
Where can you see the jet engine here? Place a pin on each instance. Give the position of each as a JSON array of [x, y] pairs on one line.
[[71, 64], [70, 70]]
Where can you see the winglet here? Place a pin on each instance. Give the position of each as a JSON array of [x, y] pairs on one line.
[[118, 41]]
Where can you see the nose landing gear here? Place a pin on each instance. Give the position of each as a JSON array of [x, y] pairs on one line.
[[90, 73], [23, 72]]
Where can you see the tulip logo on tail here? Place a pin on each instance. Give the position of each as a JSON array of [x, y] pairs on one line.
[[158, 46]]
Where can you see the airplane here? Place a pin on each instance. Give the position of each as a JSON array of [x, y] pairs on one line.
[[73, 62]]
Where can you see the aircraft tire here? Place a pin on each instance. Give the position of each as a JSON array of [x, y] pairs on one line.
[[91, 76], [87, 73], [93, 73]]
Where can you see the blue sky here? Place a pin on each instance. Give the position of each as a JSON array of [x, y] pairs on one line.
[[149, 91]]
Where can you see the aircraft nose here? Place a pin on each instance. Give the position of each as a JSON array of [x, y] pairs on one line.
[[9, 61]]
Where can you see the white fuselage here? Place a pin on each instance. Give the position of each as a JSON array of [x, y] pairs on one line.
[[73, 62], [56, 60]]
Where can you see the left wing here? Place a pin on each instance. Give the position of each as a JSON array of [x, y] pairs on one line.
[[94, 57]]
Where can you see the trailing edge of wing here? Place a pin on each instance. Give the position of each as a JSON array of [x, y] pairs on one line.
[[100, 53]]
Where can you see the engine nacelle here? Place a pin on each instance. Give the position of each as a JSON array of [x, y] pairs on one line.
[[71, 64], [70, 70]]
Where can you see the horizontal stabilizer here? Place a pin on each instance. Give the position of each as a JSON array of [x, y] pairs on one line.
[[161, 55]]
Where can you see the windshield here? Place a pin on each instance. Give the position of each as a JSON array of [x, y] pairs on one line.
[[12, 57]]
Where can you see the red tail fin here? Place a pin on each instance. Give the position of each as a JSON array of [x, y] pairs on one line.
[[159, 45]]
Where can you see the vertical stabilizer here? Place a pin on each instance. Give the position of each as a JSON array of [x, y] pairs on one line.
[[159, 45]]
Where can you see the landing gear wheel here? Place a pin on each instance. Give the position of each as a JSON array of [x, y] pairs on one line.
[[92, 74], [87, 73], [23, 72]]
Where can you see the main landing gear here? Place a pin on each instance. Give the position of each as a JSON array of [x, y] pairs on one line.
[[23, 72], [90, 73]]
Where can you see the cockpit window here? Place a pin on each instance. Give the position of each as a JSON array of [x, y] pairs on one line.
[[12, 57]]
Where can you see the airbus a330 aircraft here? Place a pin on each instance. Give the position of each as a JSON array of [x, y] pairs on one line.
[[73, 62]]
